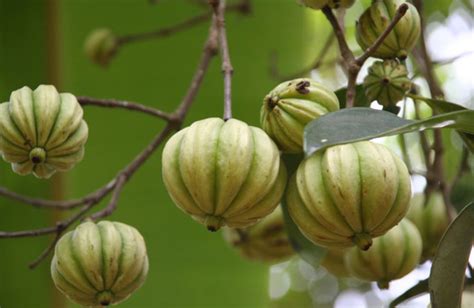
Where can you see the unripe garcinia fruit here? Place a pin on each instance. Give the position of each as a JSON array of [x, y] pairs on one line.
[[42, 131], [349, 194], [100, 264], [100, 46], [430, 217], [266, 241], [392, 256], [400, 41], [333, 262], [290, 106], [223, 173]]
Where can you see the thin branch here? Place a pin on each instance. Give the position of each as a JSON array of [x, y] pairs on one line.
[[402, 9], [113, 201], [346, 52], [112, 103], [227, 68]]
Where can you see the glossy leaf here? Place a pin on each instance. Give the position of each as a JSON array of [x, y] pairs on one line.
[[447, 276], [357, 124]]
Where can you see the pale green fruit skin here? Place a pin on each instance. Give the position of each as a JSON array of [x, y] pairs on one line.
[[290, 106], [266, 241], [401, 39], [42, 131], [223, 173], [333, 262], [100, 46], [392, 256], [337, 4], [349, 194], [431, 219], [314, 4], [100, 264], [387, 82]]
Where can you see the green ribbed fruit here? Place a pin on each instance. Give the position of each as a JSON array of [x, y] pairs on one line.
[[42, 131], [336, 4], [223, 173], [100, 46], [314, 4], [266, 241], [333, 262], [387, 82], [430, 217], [100, 264], [290, 106], [400, 41], [349, 194], [392, 256]]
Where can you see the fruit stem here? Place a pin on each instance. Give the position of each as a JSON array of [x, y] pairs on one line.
[[37, 155], [362, 240], [213, 223], [383, 284]]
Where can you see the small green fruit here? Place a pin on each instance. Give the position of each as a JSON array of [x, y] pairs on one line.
[[430, 217], [290, 106], [42, 131], [101, 45], [400, 41], [349, 194], [223, 173], [266, 241], [387, 82], [392, 256], [100, 264]]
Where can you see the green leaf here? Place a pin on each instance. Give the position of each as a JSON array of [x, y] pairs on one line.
[[447, 275], [357, 124], [463, 191], [360, 99], [308, 251], [439, 106], [420, 288]]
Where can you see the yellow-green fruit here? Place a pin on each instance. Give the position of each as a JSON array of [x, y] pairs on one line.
[[387, 82], [223, 173], [314, 4], [333, 262], [42, 131], [400, 41], [100, 46], [100, 264], [290, 106], [392, 256], [336, 4], [266, 241], [430, 217], [349, 194]]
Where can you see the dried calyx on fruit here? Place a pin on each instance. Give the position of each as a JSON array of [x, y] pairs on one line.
[[400, 41], [349, 194], [100, 264], [290, 106], [42, 131], [266, 241], [387, 82], [223, 173], [429, 215], [100, 46], [392, 256]]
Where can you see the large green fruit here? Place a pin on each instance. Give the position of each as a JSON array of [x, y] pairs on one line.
[[387, 82], [333, 262], [100, 46], [42, 131], [290, 106], [223, 173], [400, 41], [430, 217], [266, 241], [392, 256], [314, 4], [100, 264], [349, 194]]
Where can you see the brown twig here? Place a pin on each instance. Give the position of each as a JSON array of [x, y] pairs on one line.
[[227, 68]]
